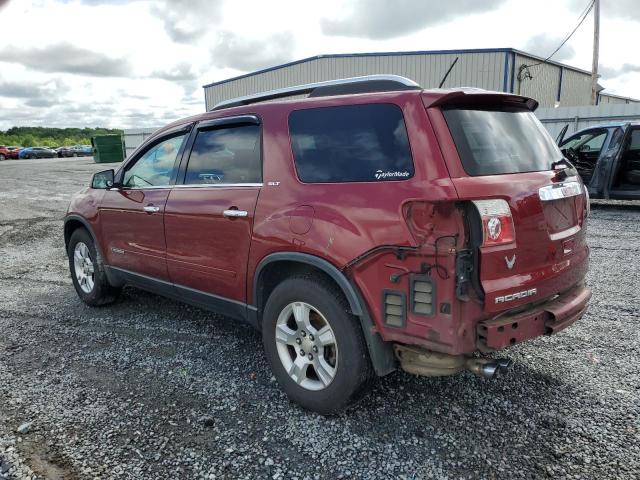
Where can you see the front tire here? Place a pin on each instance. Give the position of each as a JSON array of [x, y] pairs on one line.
[[314, 346], [87, 271]]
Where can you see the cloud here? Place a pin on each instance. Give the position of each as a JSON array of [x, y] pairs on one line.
[[240, 53], [382, 19], [178, 73], [188, 20], [16, 90], [41, 102], [43, 94], [543, 45], [612, 72], [67, 58]]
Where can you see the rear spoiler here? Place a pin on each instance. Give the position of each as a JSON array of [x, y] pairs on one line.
[[474, 96]]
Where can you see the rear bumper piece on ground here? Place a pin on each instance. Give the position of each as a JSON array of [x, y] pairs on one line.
[[542, 319]]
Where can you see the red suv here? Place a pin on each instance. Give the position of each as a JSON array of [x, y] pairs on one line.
[[369, 226]]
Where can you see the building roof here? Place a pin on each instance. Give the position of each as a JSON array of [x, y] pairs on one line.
[[392, 54], [621, 97]]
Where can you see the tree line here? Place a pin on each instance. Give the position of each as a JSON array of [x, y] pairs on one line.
[[52, 137]]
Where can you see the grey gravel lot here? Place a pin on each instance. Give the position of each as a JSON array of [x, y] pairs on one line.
[[150, 388]]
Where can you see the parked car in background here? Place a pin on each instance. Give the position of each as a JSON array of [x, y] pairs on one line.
[[14, 152], [370, 226], [37, 152], [607, 158], [8, 152], [60, 150], [76, 151]]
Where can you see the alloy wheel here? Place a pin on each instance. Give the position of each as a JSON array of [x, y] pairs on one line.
[[83, 267], [306, 346]]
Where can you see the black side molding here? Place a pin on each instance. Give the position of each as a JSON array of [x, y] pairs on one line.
[[317, 262], [381, 352], [198, 298]]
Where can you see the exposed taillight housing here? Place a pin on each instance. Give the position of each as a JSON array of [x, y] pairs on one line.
[[497, 222]]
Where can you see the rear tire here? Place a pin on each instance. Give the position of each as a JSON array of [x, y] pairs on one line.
[[2, 157], [314, 346], [87, 271]]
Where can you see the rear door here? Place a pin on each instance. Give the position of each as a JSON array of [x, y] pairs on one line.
[[625, 175], [531, 215], [209, 213], [131, 215]]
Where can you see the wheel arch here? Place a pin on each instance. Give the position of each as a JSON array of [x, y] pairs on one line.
[[71, 224], [380, 352]]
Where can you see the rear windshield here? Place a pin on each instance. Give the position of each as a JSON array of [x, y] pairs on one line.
[[351, 143], [493, 142]]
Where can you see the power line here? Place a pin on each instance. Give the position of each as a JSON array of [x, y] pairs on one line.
[[582, 18]]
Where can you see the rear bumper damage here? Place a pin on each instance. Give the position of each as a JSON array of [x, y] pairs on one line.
[[546, 318], [497, 333]]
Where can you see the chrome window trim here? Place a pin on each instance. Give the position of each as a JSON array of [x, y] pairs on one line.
[[560, 190], [217, 185], [193, 185]]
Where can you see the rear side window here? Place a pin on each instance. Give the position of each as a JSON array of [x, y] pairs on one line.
[[225, 155], [492, 142], [354, 143]]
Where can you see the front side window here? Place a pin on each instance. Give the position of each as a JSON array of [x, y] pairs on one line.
[[353, 143], [586, 142], [500, 141], [225, 155], [156, 167]]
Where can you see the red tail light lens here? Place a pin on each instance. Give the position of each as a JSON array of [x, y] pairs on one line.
[[497, 222]]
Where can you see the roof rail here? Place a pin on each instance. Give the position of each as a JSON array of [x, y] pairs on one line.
[[343, 86]]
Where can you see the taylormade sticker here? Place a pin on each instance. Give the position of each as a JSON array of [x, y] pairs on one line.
[[380, 175]]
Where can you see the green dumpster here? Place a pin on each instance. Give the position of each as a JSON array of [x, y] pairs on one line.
[[107, 148]]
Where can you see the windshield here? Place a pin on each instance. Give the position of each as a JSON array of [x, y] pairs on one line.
[[493, 142]]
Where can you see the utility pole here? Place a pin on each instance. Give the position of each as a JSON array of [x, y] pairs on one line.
[[596, 46]]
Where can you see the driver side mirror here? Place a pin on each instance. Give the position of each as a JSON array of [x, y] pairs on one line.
[[103, 180]]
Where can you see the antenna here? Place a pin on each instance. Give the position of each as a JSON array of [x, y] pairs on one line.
[[448, 72]]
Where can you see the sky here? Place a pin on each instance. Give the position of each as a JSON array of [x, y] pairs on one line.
[[141, 63]]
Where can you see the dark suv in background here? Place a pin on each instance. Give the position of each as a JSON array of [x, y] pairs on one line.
[[607, 158], [371, 226]]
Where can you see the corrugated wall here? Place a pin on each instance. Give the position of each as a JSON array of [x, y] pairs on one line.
[[554, 119], [614, 100], [483, 70], [133, 138], [576, 89], [546, 79], [543, 86]]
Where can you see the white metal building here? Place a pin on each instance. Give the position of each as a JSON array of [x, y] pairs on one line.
[[501, 69]]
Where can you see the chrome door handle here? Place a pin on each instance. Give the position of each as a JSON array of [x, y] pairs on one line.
[[235, 213], [151, 209]]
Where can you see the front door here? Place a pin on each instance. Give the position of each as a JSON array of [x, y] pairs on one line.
[[131, 215], [209, 213], [584, 150]]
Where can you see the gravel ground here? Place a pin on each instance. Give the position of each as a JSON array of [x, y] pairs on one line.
[[150, 388]]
